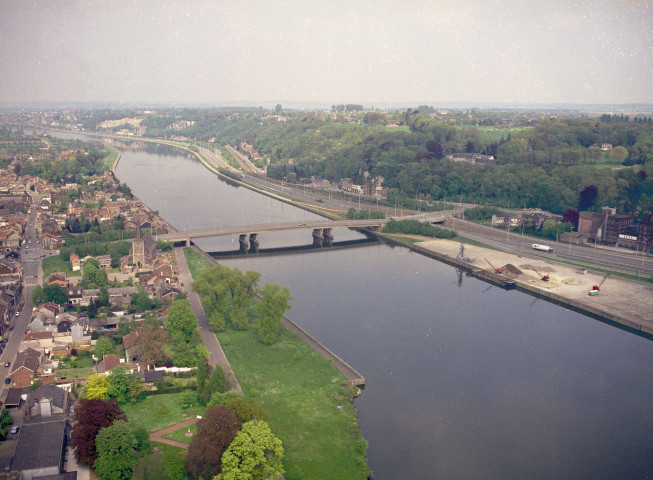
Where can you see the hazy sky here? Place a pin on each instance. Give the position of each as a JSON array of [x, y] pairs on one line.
[[530, 51]]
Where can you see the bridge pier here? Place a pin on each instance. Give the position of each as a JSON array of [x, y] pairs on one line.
[[328, 237], [243, 243], [318, 238], [322, 237], [253, 243]]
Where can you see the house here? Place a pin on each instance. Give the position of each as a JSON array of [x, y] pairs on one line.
[[40, 449], [50, 240], [9, 239], [24, 370], [473, 158], [57, 279], [75, 263], [143, 251], [107, 363], [75, 295], [121, 295], [48, 400], [151, 376], [104, 261]]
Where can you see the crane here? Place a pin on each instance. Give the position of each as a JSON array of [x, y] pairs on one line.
[[598, 287], [545, 278], [497, 270]]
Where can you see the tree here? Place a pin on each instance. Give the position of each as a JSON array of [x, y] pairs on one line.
[[278, 108], [104, 346], [39, 296], [228, 294], [91, 416], [55, 293], [96, 387], [152, 339], [124, 387], [141, 300], [571, 216], [270, 309], [254, 454], [587, 197], [116, 449], [215, 431], [435, 149], [180, 320]]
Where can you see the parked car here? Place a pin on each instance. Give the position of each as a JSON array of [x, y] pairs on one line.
[[7, 380], [7, 364], [15, 429]]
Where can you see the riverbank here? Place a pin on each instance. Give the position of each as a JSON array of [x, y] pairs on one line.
[[620, 301]]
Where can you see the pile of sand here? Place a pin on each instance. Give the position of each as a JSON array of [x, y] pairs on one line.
[[511, 271]]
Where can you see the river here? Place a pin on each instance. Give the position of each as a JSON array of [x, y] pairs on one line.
[[464, 380]]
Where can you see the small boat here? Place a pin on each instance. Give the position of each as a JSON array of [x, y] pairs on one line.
[[593, 293]]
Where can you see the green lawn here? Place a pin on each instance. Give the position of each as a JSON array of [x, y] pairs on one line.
[[56, 264], [75, 372], [196, 263], [309, 408], [490, 134], [160, 411], [180, 435]]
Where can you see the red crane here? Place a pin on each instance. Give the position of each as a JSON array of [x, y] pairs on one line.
[[598, 287], [498, 270], [544, 278]]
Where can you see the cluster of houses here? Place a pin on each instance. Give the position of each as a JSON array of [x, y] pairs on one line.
[[55, 211]]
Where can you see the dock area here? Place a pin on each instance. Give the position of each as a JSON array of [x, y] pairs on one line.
[[624, 302]]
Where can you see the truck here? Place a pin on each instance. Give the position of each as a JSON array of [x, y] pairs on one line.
[[544, 248]]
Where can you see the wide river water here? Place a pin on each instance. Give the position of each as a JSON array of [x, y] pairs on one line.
[[464, 380]]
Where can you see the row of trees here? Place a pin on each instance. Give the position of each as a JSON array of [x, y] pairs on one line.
[[228, 296]]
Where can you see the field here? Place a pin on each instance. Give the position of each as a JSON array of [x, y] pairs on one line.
[[493, 134]]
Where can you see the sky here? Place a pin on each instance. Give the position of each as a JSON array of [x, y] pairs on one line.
[[327, 51]]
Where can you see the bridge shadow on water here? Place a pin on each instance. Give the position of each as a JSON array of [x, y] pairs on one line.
[[297, 249]]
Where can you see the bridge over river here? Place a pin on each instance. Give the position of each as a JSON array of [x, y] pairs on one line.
[[322, 229]]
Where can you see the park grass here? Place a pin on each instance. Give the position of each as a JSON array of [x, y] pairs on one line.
[[160, 411], [308, 400], [180, 435], [54, 264]]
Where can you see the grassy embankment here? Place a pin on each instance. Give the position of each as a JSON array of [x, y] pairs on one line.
[[308, 400]]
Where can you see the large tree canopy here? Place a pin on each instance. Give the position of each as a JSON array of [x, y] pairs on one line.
[[91, 416], [116, 449], [256, 454], [215, 431]]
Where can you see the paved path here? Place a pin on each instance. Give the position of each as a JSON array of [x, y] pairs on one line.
[[216, 355], [157, 436]]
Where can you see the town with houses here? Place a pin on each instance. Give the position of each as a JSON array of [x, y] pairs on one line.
[[35, 218]]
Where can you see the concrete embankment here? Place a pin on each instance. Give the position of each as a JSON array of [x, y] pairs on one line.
[[620, 302]]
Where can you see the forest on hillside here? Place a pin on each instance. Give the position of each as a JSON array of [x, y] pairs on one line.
[[543, 159]]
